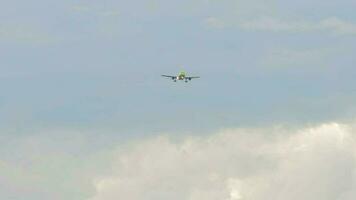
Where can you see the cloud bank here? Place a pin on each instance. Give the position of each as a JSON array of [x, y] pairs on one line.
[[331, 25], [310, 164]]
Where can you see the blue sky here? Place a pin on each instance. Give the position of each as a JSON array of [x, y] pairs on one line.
[[92, 69], [87, 63]]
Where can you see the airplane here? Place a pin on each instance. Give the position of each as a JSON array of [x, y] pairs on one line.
[[181, 76]]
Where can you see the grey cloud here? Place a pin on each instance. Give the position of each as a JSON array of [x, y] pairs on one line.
[[316, 163], [311, 164]]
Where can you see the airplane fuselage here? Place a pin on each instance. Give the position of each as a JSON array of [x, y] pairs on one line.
[[180, 77]]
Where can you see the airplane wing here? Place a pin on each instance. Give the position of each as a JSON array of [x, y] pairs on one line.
[[169, 76], [191, 77]]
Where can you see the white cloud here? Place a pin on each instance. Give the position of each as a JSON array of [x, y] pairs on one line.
[[298, 58], [338, 26], [310, 164], [87, 9], [25, 34], [214, 23], [50, 165], [110, 13], [332, 25], [273, 24], [81, 8]]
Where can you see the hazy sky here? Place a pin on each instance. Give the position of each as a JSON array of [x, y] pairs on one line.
[[81, 92]]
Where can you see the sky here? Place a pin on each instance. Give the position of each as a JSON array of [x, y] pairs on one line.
[[86, 115]]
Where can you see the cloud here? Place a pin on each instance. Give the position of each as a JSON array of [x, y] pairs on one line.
[[214, 22], [310, 164], [87, 9], [338, 26], [283, 58], [275, 25], [25, 34], [110, 13], [332, 25], [50, 165], [81, 8]]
